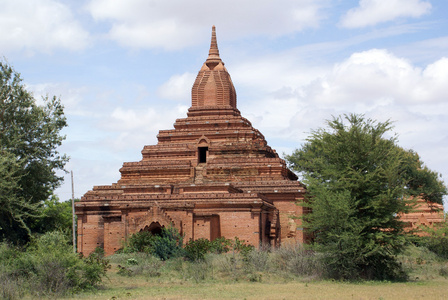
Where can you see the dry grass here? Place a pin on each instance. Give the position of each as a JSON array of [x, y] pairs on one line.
[[132, 288], [183, 280]]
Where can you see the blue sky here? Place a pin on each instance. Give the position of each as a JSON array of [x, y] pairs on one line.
[[124, 69]]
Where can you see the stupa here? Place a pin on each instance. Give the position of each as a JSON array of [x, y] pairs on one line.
[[212, 176]]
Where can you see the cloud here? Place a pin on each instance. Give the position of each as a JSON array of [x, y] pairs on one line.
[[71, 97], [377, 77], [372, 12], [178, 87], [39, 25], [176, 24], [376, 82], [132, 128]]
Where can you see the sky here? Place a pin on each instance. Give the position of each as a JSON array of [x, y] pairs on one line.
[[124, 70]]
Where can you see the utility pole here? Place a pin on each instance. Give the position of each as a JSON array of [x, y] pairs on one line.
[[73, 215]]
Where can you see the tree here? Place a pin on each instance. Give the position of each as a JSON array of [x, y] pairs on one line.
[[55, 215], [358, 180], [29, 138]]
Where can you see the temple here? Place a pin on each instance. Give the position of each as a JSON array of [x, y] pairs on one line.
[[424, 214], [212, 176]]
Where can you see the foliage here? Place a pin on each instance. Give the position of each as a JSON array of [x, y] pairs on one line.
[[436, 239], [14, 209], [165, 246], [48, 267], [139, 241], [168, 244], [29, 138], [197, 249], [358, 180], [294, 259], [420, 180], [243, 248], [95, 268], [422, 264], [135, 264], [54, 215]]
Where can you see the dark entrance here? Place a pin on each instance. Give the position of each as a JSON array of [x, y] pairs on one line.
[[155, 228], [202, 154]]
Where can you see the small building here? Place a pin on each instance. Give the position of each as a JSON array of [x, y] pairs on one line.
[[212, 176]]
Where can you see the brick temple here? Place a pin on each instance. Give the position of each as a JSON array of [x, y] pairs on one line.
[[424, 214], [212, 176]]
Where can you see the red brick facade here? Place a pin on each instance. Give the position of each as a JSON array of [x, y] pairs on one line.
[[211, 176], [424, 214]]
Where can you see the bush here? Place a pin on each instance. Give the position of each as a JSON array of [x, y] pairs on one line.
[[168, 244], [258, 260], [11, 287], [437, 239], [196, 249], [139, 241], [165, 246], [220, 245], [49, 267], [296, 260]]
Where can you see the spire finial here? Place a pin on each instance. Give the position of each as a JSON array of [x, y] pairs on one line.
[[213, 53], [213, 86]]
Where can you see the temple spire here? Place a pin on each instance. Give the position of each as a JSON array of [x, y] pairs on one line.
[[213, 53], [213, 86]]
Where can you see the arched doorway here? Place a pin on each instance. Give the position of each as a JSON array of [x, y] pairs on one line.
[[154, 228]]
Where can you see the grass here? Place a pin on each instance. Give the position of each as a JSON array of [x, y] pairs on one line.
[[129, 288], [265, 277], [285, 273]]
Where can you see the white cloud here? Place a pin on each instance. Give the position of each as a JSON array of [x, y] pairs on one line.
[[177, 23], [39, 25], [133, 128], [372, 12], [71, 97], [377, 77], [376, 83], [178, 87]]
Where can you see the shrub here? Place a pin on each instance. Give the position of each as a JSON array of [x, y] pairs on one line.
[[11, 287], [258, 260], [437, 239], [139, 241], [220, 245], [296, 260], [49, 267], [243, 248], [166, 245], [198, 270], [94, 268], [196, 249], [134, 264]]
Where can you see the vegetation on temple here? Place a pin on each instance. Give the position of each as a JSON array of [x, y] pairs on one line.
[[358, 181]]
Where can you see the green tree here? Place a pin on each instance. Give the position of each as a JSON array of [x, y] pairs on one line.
[[29, 138], [358, 180], [54, 215]]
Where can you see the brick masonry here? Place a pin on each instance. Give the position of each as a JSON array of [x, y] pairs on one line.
[[212, 176]]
